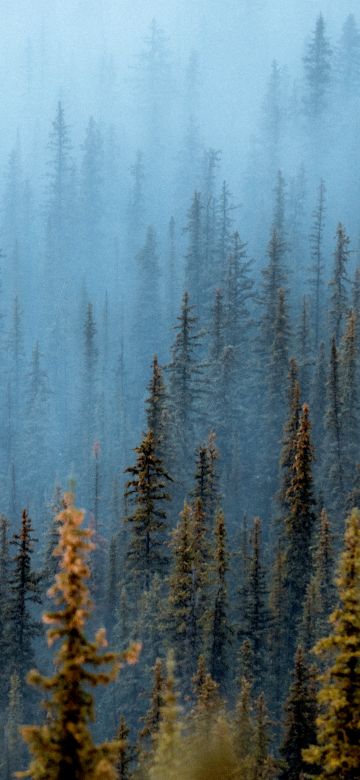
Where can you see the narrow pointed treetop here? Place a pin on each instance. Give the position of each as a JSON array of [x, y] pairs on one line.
[[63, 748], [337, 753]]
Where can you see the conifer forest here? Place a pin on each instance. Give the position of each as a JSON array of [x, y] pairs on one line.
[[179, 390]]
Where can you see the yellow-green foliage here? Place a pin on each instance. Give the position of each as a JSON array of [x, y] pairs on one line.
[[337, 753], [63, 748]]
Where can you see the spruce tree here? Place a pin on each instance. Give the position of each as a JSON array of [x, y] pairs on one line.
[[147, 491], [289, 435], [124, 755], [317, 267], [24, 593], [348, 64], [299, 723], [274, 277], [181, 592], [339, 282], [194, 269], [318, 65], [333, 468], [158, 413], [168, 758], [220, 628], [151, 719], [337, 753], [300, 525], [349, 402], [63, 748], [318, 395], [185, 386], [256, 612]]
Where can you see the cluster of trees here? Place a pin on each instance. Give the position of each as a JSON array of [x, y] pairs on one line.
[[216, 542]]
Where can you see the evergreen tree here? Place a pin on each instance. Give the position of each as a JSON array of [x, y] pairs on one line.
[[238, 292], [158, 413], [338, 284], [333, 460], [318, 66], [14, 721], [168, 757], [305, 351], [318, 396], [337, 753], [348, 64], [256, 613], [278, 622], [151, 720], [317, 266], [274, 277], [299, 724], [185, 385], [147, 491], [147, 327], [63, 746], [91, 192], [220, 629], [289, 435], [349, 401], [300, 526], [194, 269], [24, 592], [181, 592], [124, 757], [59, 182]]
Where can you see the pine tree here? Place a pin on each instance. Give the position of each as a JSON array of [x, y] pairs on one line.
[[24, 592], [63, 746], [136, 205], [158, 413], [194, 269], [181, 592], [168, 756], [320, 593], [305, 351], [318, 395], [300, 715], [256, 613], [238, 292], [244, 727], [185, 385], [348, 65], [265, 766], [274, 277], [290, 435], [220, 629], [14, 721], [225, 207], [59, 182], [317, 63], [317, 267], [147, 328], [206, 487], [300, 525], [337, 753], [124, 756], [151, 720], [278, 223], [338, 284], [207, 699], [349, 401], [91, 192], [147, 491], [278, 621], [333, 459]]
